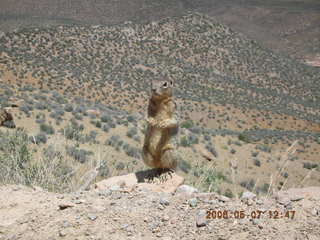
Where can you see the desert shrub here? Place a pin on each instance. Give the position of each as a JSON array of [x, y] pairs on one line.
[[105, 128], [263, 189], [113, 140], [137, 138], [104, 170], [207, 137], [264, 148], [132, 132], [25, 108], [248, 184], [57, 114], [187, 124], [79, 110], [46, 128], [245, 137], [212, 150], [98, 124], [73, 131], [91, 137], [309, 165], [106, 118], [210, 180], [232, 151], [39, 138], [40, 106], [187, 141], [120, 166], [19, 167], [257, 162], [196, 130], [184, 165], [285, 175], [52, 153], [254, 154], [132, 151], [130, 118], [78, 116], [68, 108], [228, 193], [77, 154], [9, 124]]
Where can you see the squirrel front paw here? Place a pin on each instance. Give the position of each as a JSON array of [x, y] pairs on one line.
[[168, 123], [151, 121]]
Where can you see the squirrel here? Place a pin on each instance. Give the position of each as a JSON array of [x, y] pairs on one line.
[[161, 136]]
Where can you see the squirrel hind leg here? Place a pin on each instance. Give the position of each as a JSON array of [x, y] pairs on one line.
[[169, 159], [149, 159]]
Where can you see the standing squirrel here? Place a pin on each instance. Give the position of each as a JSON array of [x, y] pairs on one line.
[[160, 143]]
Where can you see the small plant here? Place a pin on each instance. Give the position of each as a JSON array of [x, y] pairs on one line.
[[309, 165], [132, 132], [184, 165], [47, 129], [257, 162], [187, 124]]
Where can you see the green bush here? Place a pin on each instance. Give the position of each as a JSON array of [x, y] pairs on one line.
[[187, 124], [19, 167], [184, 165], [46, 128]]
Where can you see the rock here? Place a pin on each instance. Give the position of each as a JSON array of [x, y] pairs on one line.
[[248, 195], [201, 219], [186, 189], [223, 198], [164, 201], [284, 200], [93, 112], [193, 202], [140, 180], [62, 233], [63, 206], [92, 217], [6, 118], [115, 188]]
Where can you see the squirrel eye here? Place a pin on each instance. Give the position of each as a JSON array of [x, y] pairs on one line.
[[171, 83], [165, 84]]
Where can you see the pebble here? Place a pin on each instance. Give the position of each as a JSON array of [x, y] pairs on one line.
[[164, 201], [62, 233], [296, 198], [92, 217], [105, 193], [193, 202], [186, 189], [115, 188], [248, 195], [284, 201], [223, 198], [201, 219]]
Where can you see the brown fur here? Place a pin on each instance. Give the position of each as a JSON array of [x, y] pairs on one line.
[[160, 144]]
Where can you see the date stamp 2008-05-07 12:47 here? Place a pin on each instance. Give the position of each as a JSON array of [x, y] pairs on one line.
[[254, 214]]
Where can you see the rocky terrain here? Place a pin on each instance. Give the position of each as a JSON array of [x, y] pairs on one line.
[[119, 212]]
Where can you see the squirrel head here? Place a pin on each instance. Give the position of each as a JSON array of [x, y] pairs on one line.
[[161, 88]]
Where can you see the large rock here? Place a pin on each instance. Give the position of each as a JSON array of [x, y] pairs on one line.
[[163, 183], [296, 194], [6, 118]]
